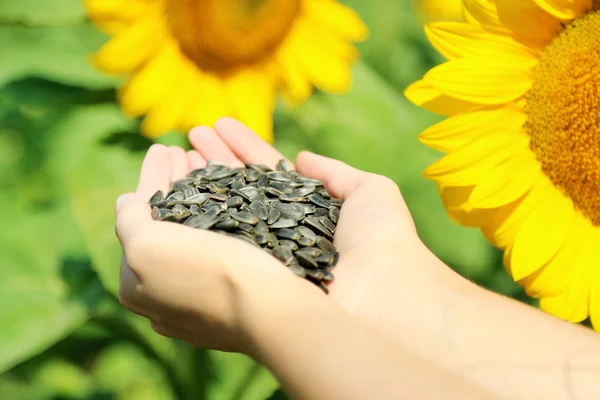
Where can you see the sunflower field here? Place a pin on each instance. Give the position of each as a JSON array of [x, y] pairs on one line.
[[71, 143]]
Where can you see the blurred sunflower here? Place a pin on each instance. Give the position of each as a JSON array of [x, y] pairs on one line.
[[522, 89], [190, 62], [438, 10]]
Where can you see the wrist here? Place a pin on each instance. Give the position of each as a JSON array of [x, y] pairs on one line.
[[284, 303]]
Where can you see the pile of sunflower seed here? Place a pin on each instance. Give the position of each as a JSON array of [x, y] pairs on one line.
[[288, 215]]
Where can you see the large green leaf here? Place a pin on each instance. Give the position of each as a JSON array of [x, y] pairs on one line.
[[94, 175], [59, 54], [42, 12], [374, 128], [44, 295]]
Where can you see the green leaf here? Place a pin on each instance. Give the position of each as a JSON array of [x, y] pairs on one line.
[[59, 54], [94, 175], [42, 12], [238, 377], [374, 128], [42, 297]]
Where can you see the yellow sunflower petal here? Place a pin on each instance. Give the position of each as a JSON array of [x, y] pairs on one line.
[[455, 132], [111, 16], [327, 71], [146, 85], [454, 197], [493, 148], [297, 85], [506, 183], [209, 102], [574, 303], [338, 18], [482, 12], [129, 49], [595, 298], [483, 80], [537, 240], [251, 96], [565, 9], [423, 94], [167, 112], [553, 278], [457, 39], [504, 223], [529, 23]]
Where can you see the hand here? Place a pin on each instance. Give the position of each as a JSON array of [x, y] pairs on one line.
[[193, 284]]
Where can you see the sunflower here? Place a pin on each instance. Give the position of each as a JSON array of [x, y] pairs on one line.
[[190, 62], [522, 93], [436, 10]]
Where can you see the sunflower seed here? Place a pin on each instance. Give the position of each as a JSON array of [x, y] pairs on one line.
[[274, 215], [234, 201], [293, 211], [228, 225], [306, 261], [306, 242], [284, 165], [289, 244], [285, 223], [286, 233], [245, 217], [259, 208], [156, 197], [325, 244], [298, 270], [307, 232], [318, 200], [327, 224], [334, 214], [246, 227], [283, 254], [261, 226], [200, 198], [176, 196]]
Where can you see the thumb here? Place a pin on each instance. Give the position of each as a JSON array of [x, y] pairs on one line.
[[339, 178], [132, 214]]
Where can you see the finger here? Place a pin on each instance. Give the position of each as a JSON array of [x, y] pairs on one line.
[[246, 144], [156, 171], [195, 160], [180, 163], [340, 179], [133, 215], [211, 147]]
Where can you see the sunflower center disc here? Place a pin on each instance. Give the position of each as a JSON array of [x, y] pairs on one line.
[[563, 109], [221, 35]]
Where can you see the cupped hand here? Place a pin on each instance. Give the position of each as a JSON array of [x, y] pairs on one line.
[[185, 280]]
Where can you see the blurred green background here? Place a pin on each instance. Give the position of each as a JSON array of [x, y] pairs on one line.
[[67, 152]]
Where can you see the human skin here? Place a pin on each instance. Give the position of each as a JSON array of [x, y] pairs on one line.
[[415, 319]]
